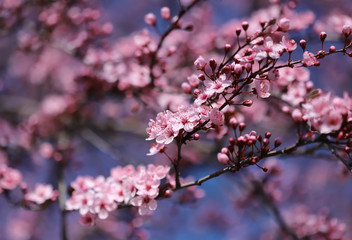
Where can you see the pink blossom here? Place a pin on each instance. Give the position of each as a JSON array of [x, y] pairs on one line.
[[202, 98], [217, 86], [273, 75], [323, 116], [146, 205], [155, 148], [262, 88], [193, 80], [41, 194], [103, 204], [289, 44], [216, 116], [268, 49], [81, 201], [9, 178], [309, 59], [247, 55]]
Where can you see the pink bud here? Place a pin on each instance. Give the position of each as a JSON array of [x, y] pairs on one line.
[[238, 31], [196, 136], [165, 13], [245, 25], [150, 19], [200, 63], [303, 44], [296, 115], [277, 142], [201, 77], [332, 49], [238, 69], [168, 193], [242, 126], [227, 48], [223, 158], [323, 36], [212, 64], [186, 87], [247, 103], [225, 150], [346, 30], [233, 122]]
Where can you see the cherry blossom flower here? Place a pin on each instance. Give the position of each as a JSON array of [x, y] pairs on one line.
[[41, 194], [309, 59], [202, 98], [268, 49], [9, 178], [262, 88], [146, 205], [323, 116], [217, 86], [102, 205], [289, 44], [247, 55], [216, 116]]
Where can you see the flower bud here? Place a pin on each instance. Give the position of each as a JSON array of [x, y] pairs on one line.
[[225, 150], [165, 13], [346, 30], [238, 31], [303, 44], [245, 25], [201, 77], [186, 87], [247, 103], [323, 36], [212, 64], [223, 158], [277, 142], [150, 19], [296, 115], [242, 126], [227, 48], [200, 63], [332, 49]]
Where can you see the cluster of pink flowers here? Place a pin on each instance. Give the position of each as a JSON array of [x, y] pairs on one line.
[[168, 125], [315, 226], [41, 194], [326, 114], [126, 185]]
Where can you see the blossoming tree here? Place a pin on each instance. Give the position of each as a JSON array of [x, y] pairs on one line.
[[99, 124]]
